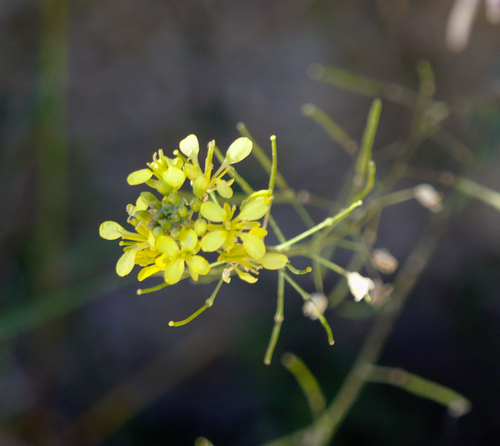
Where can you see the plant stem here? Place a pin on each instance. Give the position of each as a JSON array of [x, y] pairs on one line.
[[330, 221]]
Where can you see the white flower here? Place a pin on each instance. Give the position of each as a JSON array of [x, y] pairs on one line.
[[428, 197], [321, 302], [360, 286]]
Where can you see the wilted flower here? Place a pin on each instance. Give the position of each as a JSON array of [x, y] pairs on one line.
[[359, 286], [384, 261], [381, 293], [321, 302], [428, 197]]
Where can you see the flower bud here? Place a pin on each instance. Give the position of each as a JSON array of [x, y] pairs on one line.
[[144, 216], [150, 200], [200, 226], [183, 211]]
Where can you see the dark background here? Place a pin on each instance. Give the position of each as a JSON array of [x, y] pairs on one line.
[[90, 89]]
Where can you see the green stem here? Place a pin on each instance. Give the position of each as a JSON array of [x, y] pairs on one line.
[[278, 319], [208, 303], [330, 221], [307, 297], [330, 265]]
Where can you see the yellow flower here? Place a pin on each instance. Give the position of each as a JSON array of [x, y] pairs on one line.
[[174, 259], [139, 247], [226, 234]]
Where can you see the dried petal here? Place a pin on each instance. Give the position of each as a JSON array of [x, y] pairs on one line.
[[358, 285], [321, 302]]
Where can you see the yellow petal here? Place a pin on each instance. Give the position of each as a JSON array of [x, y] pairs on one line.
[[188, 239], [259, 232], [213, 240], [110, 230], [146, 272], [139, 177], [198, 265], [189, 146], [253, 245], [167, 245], [273, 260], [126, 263], [174, 177], [254, 209], [246, 276], [224, 189], [174, 271], [238, 150], [213, 212]]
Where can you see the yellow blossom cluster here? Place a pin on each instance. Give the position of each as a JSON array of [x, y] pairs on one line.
[[173, 232]]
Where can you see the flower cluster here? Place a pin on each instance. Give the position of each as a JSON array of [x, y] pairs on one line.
[[173, 233]]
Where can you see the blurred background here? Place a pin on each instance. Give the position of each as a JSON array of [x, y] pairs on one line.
[[90, 89]]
